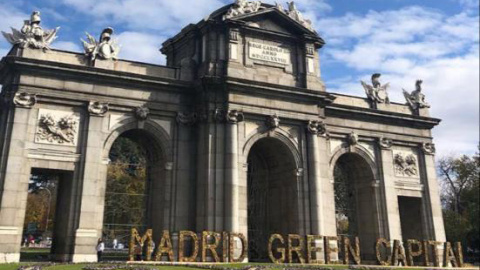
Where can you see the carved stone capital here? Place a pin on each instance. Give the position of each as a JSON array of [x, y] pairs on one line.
[[97, 108], [352, 138], [317, 127], [385, 143], [25, 100], [428, 148], [234, 117], [141, 113], [272, 122], [187, 118]]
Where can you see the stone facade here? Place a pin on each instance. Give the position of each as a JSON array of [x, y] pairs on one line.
[[221, 116]]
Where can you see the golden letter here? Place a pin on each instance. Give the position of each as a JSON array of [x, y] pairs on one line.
[[459, 254], [279, 250], [426, 253], [411, 253], [165, 247], [328, 249], [398, 254], [311, 247], [211, 247], [348, 250], [232, 247], [383, 242], [135, 237], [181, 246], [295, 249], [449, 256]]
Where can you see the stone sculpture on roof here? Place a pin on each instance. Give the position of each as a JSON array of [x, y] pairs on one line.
[[416, 99], [376, 92], [32, 35], [295, 14], [241, 7], [106, 48]]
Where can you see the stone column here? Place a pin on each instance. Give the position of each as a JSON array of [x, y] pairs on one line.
[[391, 228], [316, 206], [14, 175], [232, 203], [435, 227], [93, 193]]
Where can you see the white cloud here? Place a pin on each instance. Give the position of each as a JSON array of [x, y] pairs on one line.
[[167, 16], [415, 43], [67, 46], [141, 47]]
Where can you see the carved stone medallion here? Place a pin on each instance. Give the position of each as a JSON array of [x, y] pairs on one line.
[[56, 127], [142, 113], [97, 108], [24, 100]]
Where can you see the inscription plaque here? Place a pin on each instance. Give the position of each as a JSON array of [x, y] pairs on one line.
[[269, 53]]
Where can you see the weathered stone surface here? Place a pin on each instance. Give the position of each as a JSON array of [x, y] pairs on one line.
[[229, 107]]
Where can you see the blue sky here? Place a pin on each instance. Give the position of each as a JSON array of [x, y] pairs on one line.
[[405, 40]]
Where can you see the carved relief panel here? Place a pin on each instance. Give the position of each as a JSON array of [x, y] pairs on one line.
[[405, 163], [57, 127]]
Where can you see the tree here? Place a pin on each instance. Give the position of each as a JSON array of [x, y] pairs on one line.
[[460, 179]]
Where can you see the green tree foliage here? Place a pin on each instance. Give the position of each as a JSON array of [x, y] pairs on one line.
[[460, 199], [125, 201]]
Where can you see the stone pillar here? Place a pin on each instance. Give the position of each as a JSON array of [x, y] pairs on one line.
[[435, 227], [92, 195], [316, 206], [391, 228], [232, 203], [14, 175]]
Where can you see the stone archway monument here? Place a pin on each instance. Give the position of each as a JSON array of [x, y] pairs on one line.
[[246, 80]]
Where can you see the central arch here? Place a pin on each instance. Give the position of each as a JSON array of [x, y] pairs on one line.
[[272, 194]]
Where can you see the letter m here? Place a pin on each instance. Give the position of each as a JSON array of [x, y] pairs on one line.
[[137, 243]]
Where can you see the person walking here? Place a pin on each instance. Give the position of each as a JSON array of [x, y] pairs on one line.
[[100, 248]]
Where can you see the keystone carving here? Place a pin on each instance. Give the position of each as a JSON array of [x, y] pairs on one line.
[[385, 143], [352, 138], [241, 7], [31, 34], [187, 118], [106, 48], [405, 165], [273, 122], [24, 100], [142, 113], [428, 148], [376, 92], [416, 99], [62, 131], [234, 117], [97, 108]]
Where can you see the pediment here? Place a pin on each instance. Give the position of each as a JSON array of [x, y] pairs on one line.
[[270, 18]]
